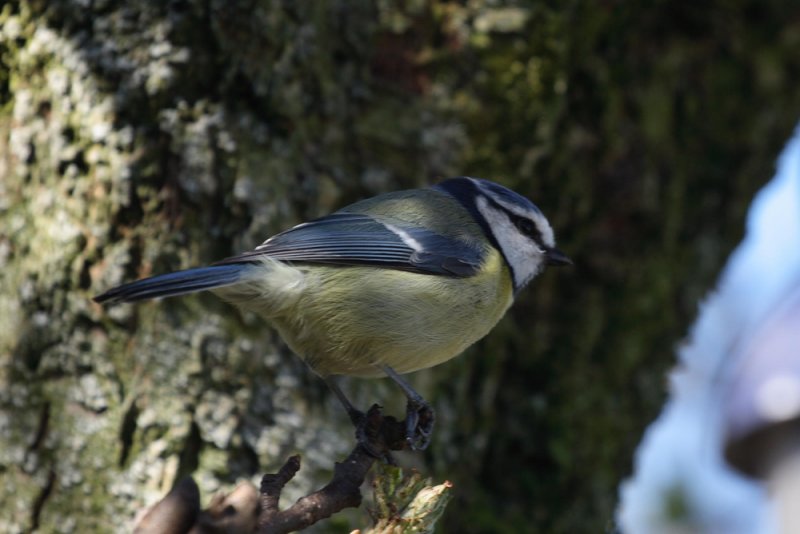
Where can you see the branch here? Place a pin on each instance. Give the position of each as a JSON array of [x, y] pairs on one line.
[[384, 434], [175, 513], [407, 501]]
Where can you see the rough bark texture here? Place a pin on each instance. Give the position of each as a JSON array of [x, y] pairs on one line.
[[139, 137]]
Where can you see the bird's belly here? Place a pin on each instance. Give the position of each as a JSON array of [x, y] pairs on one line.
[[349, 320]]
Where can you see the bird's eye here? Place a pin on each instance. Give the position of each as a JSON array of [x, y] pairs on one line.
[[525, 226]]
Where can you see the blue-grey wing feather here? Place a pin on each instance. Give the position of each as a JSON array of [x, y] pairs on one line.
[[356, 239]]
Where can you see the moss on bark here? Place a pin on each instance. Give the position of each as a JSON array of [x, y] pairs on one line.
[[139, 137]]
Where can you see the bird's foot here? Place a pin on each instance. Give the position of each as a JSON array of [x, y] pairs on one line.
[[420, 419], [420, 416]]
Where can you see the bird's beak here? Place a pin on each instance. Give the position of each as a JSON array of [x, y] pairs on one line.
[[556, 257]]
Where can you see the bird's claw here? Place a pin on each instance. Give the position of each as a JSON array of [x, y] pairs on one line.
[[420, 419]]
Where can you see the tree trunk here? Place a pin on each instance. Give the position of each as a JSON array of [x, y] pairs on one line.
[[142, 137]]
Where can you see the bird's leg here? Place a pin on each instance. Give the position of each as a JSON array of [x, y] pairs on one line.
[[420, 416], [360, 421], [356, 415]]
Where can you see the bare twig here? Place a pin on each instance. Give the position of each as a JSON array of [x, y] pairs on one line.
[[231, 513], [245, 510], [384, 434], [175, 513]]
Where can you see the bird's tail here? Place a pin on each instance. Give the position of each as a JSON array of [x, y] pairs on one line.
[[177, 283]]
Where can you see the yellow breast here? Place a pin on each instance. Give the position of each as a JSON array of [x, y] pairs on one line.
[[348, 319]]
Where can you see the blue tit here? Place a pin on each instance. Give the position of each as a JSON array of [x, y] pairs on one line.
[[386, 286]]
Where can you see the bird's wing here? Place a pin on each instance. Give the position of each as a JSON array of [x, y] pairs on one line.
[[357, 239]]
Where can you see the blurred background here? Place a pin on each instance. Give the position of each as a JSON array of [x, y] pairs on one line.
[[140, 137]]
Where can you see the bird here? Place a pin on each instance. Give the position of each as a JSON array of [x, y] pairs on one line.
[[386, 286]]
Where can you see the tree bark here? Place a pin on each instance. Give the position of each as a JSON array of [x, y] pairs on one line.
[[142, 137]]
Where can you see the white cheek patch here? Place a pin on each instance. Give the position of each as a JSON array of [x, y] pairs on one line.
[[534, 215], [523, 255], [538, 219]]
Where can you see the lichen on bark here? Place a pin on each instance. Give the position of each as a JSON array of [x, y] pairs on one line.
[[141, 137]]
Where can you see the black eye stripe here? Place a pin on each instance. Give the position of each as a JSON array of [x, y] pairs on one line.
[[523, 224], [465, 191], [527, 227]]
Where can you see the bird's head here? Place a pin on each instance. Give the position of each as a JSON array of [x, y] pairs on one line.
[[512, 223]]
